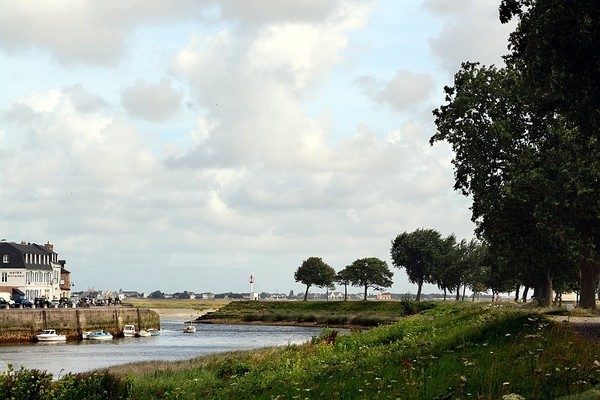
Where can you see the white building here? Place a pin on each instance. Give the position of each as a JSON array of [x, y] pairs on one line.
[[31, 270]]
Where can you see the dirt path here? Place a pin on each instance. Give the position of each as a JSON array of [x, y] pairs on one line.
[[587, 327]]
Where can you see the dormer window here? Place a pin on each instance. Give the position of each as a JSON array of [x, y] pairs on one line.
[[5, 259]]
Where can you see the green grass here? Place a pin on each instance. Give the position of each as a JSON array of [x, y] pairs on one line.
[[449, 351], [325, 313]]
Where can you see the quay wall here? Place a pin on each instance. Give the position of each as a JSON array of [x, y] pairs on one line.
[[22, 324]]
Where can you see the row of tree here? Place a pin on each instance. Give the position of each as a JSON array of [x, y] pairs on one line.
[[526, 139], [426, 256]]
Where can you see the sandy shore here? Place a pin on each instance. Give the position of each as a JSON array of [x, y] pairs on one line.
[[179, 314]]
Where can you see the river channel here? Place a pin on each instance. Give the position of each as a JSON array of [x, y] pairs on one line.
[[81, 356]]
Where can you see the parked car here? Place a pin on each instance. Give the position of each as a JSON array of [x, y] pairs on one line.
[[65, 302], [54, 303], [23, 303], [41, 302], [4, 303]]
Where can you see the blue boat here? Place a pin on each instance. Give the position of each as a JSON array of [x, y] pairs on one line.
[[99, 335]]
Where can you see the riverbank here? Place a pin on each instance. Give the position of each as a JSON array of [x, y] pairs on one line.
[[337, 314], [448, 350]]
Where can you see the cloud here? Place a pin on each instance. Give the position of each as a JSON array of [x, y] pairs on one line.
[[406, 91], [84, 31], [251, 89], [152, 101], [471, 31]]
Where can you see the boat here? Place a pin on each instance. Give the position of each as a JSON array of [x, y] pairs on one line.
[[154, 331], [86, 335], [50, 335], [129, 331], [142, 333], [189, 328], [100, 335]]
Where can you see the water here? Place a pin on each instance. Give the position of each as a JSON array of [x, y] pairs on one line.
[[62, 358]]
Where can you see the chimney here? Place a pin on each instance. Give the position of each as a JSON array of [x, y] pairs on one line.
[[49, 247]]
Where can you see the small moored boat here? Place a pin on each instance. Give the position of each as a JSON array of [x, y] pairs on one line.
[[50, 335], [100, 335], [142, 333], [129, 331], [189, 328], [154, 331]]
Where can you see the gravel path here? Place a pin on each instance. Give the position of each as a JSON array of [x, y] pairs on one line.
[[587, 327]]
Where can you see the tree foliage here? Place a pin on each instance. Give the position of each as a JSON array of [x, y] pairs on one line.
[[368, 273], [314, 271], [420, 253]]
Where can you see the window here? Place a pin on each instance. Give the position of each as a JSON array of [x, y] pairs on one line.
[[5, 259], [4, 278]]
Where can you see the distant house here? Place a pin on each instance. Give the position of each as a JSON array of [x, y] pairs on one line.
[[336, 296], [384, 296], [129, 294], [31, 270], [207, 296]]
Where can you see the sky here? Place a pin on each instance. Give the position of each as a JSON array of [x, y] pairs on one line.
[[185, 145]]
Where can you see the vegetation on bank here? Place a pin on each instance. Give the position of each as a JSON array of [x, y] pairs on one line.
[[323, 313], [191, 304], [447, 351]]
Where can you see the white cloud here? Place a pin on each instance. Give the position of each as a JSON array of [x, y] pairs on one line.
[[406, 91], [471, 32], [152, 101]]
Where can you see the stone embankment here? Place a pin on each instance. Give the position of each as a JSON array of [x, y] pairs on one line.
[[22, 324]]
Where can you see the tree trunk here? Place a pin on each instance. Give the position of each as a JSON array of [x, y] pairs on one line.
[[444, 294], [458, 292], [517, 293], [345, 292], [588, 278], [464, 291], [365, 298], [306, 292], [525, 292], [547, 296], [419, 286]]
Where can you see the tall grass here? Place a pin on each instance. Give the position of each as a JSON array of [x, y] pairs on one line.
[[447, 352]]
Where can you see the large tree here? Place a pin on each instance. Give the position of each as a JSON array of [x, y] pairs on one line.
[[368, 273], [556, 47], [419, 253], [314, 271]]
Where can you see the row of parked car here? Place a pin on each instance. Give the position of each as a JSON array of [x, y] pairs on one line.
[[38, 302]]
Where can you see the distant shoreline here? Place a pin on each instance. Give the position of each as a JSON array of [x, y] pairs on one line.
[[183, 314]]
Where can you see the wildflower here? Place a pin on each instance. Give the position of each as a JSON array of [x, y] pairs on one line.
[[513, 396]]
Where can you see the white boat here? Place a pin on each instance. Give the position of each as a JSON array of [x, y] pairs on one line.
[[86, 335], [50, 335], [100, 335], [154, 331], [189, 328], [142, 333], [129, 331]]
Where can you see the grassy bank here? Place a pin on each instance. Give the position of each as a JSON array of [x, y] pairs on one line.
[[446, 351], [322, 313], [199, 305]]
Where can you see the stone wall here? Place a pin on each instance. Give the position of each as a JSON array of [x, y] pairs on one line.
[[23, 324]]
